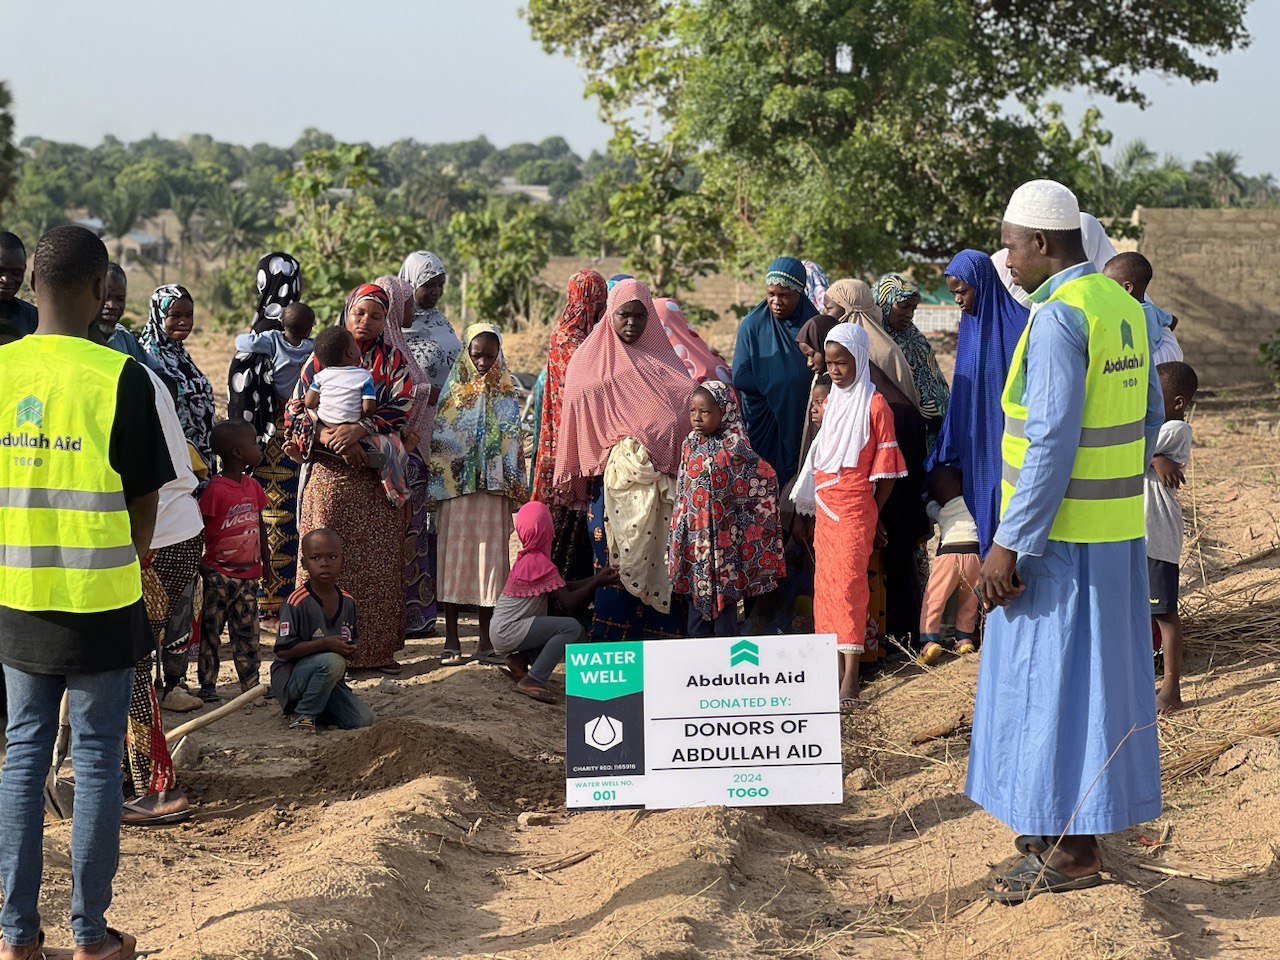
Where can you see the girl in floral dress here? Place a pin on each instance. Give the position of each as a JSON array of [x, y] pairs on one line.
[[726, 535]]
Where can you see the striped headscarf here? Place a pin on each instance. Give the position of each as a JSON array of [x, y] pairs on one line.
[[422, 414], [789, 272]]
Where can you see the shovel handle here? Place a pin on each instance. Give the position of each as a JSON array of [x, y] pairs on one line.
[[246, 698]]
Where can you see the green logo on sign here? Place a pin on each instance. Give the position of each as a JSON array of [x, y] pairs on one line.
[[744, 651], [31, 410], [1126, 334]]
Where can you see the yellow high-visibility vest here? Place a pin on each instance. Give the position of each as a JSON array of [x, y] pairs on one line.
[[65, 538], [1103, 502]]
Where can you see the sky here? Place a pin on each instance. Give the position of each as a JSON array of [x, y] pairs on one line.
[[439, 70]]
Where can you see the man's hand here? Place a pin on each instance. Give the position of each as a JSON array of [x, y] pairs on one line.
[[608, 577], [803, 529], [1168, 471], [341, 646], [998, 582]]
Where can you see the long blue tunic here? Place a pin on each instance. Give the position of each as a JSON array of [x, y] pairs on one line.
[[1064, 735]]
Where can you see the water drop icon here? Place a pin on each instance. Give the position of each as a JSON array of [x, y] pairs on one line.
[[604, 732]]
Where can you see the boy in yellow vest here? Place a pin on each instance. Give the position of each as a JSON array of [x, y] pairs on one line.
[[84, 458], [1064, 741]]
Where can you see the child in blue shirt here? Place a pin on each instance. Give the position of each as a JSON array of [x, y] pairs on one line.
[[288, 349]]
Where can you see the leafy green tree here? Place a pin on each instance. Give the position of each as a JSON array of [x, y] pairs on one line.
[[501, 247], [586, 209], [9, 157], [669, 232], [559, 175], [335, 228], [868, 130], [503, 163]]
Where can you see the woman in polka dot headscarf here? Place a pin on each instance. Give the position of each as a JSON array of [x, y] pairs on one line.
[[251, 396]]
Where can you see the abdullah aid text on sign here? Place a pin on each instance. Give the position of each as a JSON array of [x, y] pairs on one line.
[[739, 721]]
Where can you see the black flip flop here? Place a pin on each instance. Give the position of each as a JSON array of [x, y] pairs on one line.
[[451, 658], [1033, 876], [1028, 844]]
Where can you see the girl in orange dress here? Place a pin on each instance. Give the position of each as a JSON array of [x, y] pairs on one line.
[[846, 478]]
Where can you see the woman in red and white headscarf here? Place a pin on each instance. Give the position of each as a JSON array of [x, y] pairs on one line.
[[624, 417], [341, 492]]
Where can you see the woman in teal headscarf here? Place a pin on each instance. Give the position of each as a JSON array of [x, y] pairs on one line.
[[770, 373]]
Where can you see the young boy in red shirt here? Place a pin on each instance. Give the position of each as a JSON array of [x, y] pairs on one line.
[[235, 541]]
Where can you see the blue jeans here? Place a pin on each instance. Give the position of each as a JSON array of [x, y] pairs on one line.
[[99, 704], [316, 687]]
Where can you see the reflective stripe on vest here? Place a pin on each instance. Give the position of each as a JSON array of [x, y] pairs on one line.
[[1103, 499], [66, 540]]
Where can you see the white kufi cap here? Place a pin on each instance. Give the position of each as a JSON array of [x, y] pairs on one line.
[[1043, 205]]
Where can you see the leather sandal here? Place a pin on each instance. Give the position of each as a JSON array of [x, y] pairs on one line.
[[34, 950], [127, 950]]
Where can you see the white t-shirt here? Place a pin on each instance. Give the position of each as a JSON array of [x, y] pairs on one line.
[[342, 393], [178, 514], [955, 523], [1163, 511]]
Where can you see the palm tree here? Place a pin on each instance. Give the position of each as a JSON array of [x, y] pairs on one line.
[[238, 221], [120, 211], [1263, 190], [1220, 172], [184, 206]]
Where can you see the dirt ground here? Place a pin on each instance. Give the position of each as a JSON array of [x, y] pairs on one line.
[[403, 841]]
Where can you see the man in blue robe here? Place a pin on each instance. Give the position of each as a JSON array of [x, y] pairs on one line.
[[1064, 743]]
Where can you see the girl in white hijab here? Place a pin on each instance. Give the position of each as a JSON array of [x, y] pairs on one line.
[[845, 481]]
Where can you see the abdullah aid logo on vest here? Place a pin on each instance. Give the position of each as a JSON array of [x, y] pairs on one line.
[[30, 413], [1132, 361]]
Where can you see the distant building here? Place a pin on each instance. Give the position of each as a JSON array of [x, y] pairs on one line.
[[92, 223], [142, 247], [508, 187]]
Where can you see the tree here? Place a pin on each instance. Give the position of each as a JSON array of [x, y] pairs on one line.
[[9, 158], [559, 175], [867, 130], [433, 196], [120, 210], [668, 232], [501, 248], [1220, 173], [238, 221], [335, 228], [185, 206]]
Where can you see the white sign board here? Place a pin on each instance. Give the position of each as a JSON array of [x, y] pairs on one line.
[[736, 721]]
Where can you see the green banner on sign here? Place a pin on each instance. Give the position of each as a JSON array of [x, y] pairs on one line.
[[603, 671]]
